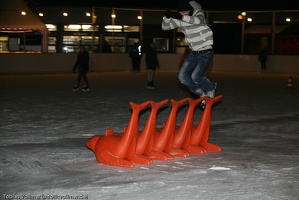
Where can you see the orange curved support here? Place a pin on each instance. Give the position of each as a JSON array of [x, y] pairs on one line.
[[145, 140], [201, 133], [164, 137], [119, 149], [183, 133]]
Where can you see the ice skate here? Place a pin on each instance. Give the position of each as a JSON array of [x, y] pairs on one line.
[[85, 87], [150, 85], [210, 94], [76, 86], [203, 104]]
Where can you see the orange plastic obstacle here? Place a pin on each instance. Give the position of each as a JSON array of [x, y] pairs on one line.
[[119, 149], [164, 137], [134, 147]]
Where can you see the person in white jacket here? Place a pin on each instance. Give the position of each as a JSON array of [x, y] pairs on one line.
[[199, 37]]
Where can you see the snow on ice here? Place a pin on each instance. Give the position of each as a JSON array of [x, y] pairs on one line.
[[44, 126]]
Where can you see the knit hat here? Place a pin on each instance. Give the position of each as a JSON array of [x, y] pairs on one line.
[[184, 5]]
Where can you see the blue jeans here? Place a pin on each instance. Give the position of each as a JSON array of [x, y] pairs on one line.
[[193, 70]]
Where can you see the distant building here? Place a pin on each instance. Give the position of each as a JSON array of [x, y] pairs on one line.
[[275, 31]]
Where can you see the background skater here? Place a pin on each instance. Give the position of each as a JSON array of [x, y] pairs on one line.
[[135, 55], [263, 59], [82, 63], [152, 63]]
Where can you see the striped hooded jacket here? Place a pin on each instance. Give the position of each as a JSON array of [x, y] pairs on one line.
[[198, 34]]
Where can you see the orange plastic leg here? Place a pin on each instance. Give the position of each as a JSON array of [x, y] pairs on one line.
[[178, 152], [105, 157], [212, 147], [196, 149], [140, 159], [202, 132], [183, 133], [119, 149], [164, 137], [160, 155], [145, 140]]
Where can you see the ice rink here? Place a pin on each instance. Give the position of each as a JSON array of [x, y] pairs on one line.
[[44, 126]]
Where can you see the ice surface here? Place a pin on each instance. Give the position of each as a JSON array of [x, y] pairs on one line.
[[44, 126]]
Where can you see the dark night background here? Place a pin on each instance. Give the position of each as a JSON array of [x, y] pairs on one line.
[[171, 4], [222, 38]]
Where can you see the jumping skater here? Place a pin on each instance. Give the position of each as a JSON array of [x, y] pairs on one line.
[[199, 37]]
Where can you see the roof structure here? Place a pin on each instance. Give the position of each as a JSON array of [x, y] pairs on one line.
[[15, 16], [208, 5], [12, 20]]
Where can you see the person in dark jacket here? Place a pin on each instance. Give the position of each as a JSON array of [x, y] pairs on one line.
[[82, 63], [152, 63], [106, 48], [263, 59], [135, 55]]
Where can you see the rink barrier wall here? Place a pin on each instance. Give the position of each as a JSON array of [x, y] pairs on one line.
[[63, 63]]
